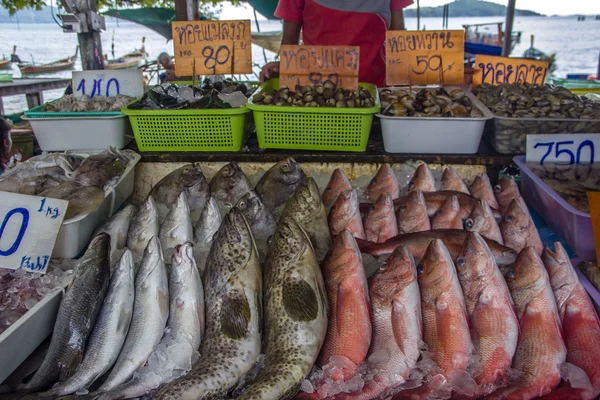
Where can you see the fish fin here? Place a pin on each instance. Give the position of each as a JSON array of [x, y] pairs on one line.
[[235, 315], [69, 369], [352, 306], [124, 321], [300, 300]]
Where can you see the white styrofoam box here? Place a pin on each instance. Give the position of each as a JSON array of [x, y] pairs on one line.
[[27, 333], [434, 135], [81, 133], [75, 233]]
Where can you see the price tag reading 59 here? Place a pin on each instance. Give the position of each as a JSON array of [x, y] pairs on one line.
[[28, 229]]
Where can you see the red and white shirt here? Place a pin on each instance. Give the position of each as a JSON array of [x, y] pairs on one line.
[[360, 23]]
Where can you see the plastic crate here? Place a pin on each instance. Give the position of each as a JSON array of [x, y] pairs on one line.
[[188, 130], [313, 128], [38, 112]]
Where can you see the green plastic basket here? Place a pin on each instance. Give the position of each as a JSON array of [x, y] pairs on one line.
[[188, 130], [38, 112], [313, 128]]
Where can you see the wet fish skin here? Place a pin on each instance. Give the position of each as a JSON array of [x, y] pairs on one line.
[[579, 318], [483, 222], [453, 240], [422, 179], [150, 313], [37, 184], [188, 178], [412, 213], [109, 332], [279, 183], [380, 222], [338, 183], [384, 182], [306, 208], [229, 184], [177, 227], [77, 315], [452, 181], [143, 227], [98, 169], [62, 191], [539, 322], [261, 221], [295, 314], [518, 228], [482, 189], [82, 200], [448, 215], [206, 227], [176, 351], [118, 227], [506, 191], [397, 325], [345, 214], [232, 340], [490, 309]]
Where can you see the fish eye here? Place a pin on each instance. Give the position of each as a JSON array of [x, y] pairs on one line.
[[226, 170], [508, 218], [242, 205], [285, 166], [497, 189], [411, 184], [374, 181], [186, 170], [469, 223], [511, 274], [328, 189], [402, 208], [437, 213], [371, 208], [383, 267], [420, 269], [460, 262]]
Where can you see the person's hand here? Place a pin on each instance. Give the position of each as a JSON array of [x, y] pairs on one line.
[[271, 70]]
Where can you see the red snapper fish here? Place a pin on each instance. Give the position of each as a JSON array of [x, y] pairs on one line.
[[448, 216], [506, 191], [380, 222], [345, 214], [384, 182], [483, 222], [412, 215], [482, 189], [337, 184], [422, 179], [518, 228], [452, 181]]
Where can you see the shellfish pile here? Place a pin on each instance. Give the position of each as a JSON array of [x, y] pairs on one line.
[[86, 103], [428, 102]]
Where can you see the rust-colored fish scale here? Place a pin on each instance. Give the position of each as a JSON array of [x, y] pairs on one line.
[[448, 216], [494, 324], [384, 182], [482, 189], [518, 228], [579, 319], [506, 190], [345, 214], [338, 183], [380, 222], [412, 214], [422, 179], [540, 349], [452, 181], [483, 222]]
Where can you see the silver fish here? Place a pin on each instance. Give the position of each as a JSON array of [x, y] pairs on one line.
[[261, 220], [279, 183], [109, 333], [232, 338], [177, 227], [295, 315], [207, 226], [177, 350], [308, 210], [150, 312], [144, 226], [117, 227], [76, 316]]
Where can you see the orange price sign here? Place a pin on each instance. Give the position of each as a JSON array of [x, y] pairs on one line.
[[499, 70], [311, 65], [594, 202], [425, 57], [212, 47]]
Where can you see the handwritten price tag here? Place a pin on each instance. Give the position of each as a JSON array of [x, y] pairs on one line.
[[425, 57], [212, 47], [568, 149], [108, 83], [311, 65], [28, 230], [498, 70]]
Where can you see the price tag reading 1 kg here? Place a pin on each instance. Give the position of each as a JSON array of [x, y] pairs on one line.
[[425, 57], [565, 149], [499, 70], [28, 229], [212, 47], [311, 65]]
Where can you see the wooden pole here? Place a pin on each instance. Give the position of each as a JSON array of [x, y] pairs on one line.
[[508, 28], [186, 10], [418, 15], [90, 43]]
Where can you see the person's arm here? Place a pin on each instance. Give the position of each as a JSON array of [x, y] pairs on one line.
[[397, 21], [291, 32]]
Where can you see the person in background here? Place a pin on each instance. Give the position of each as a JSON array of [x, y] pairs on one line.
[[167, 63], [5, 143], [342, 23]]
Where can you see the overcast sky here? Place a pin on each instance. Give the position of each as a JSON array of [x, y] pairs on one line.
[[547, 7]]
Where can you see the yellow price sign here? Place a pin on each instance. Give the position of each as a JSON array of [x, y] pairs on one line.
[[212, 47], [425, 57], [501, 70]]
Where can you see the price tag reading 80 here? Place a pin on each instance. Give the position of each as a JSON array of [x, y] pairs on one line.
[[567, 149], [28, 230]]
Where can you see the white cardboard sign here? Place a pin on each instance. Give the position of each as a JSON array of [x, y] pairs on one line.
[[108, 83], [28, 229], [567, 148]]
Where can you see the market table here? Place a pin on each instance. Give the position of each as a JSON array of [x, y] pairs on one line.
[[32, 88]]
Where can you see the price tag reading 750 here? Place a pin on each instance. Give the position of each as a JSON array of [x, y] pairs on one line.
[[28, 229], [566, 149]]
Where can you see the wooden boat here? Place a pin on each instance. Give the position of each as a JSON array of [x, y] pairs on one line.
[[60, 65], [481, 38], [5, 64], [129, 60]]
